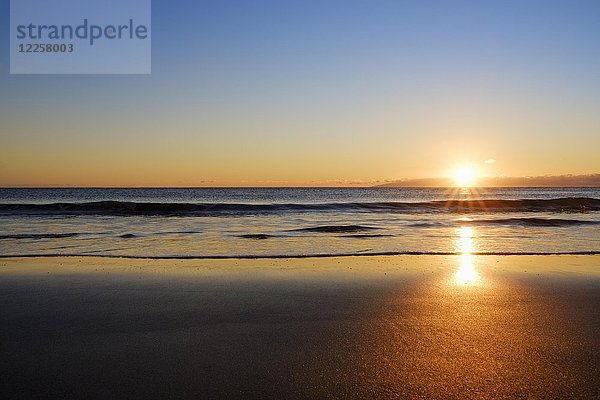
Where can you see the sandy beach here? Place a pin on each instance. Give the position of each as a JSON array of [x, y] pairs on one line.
[[299, 200], [352, 327]]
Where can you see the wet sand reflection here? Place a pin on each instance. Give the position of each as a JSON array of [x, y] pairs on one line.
[[466, 274], [389, 327]]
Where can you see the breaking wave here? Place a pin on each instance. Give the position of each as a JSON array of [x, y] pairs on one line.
[[123, 208]]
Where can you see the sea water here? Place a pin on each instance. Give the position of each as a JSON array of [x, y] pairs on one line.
[[298, 222]]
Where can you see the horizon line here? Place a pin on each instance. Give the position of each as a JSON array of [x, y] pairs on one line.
[[591, 180], [307, 187]]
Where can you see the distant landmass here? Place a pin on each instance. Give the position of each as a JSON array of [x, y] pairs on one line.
[[592, 180]]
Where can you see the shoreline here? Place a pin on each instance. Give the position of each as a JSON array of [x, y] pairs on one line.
[[305, 256], [590, 261]]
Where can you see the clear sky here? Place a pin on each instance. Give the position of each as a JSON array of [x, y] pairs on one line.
[[319, 92]]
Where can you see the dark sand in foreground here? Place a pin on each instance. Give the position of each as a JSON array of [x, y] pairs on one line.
[[358, 327]]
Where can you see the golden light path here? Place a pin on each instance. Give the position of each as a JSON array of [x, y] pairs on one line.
[[466, 275]]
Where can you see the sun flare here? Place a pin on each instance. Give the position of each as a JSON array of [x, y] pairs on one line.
[[465, 176]]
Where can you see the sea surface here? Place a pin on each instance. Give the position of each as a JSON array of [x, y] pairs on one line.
[[277, 222]]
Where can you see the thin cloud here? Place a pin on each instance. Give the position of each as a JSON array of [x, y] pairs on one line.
[[490, 161]]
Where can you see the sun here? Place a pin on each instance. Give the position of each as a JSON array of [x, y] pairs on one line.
[[465, 176]]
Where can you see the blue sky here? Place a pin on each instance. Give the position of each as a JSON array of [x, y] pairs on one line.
[[315, 91]]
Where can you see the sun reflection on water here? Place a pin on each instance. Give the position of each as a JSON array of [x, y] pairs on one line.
[[466, 275]]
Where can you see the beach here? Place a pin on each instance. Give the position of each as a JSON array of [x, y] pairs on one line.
[[300, 200], [458, 326]]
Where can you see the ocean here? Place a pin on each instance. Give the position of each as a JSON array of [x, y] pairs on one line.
[[297, 222]]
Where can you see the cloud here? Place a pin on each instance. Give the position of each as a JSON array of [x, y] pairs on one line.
[[490, 161]]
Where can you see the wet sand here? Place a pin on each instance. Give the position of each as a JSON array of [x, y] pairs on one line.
[[356, 327]]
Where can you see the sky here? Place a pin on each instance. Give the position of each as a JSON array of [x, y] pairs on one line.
[[320, 92]]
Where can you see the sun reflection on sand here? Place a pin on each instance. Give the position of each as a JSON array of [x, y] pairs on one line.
[[466, 275]]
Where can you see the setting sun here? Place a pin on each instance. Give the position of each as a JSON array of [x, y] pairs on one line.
[[465, 176]]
